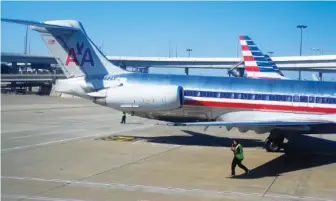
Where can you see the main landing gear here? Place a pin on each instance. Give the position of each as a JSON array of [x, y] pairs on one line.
[[275, 141]]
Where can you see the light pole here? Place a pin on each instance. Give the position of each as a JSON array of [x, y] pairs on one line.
[[26, 41], [301, 27], [189, 50]]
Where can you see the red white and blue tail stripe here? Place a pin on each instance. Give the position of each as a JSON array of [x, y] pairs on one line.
[[257, 64]]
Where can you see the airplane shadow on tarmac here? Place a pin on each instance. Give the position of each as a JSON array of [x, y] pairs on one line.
[[200, 139], [303, 151]]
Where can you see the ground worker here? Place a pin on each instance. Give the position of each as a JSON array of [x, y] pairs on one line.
[[123, 118], [238, 152]]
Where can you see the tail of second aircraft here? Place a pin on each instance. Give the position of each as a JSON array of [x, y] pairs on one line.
[[257, 64], [73, 50]]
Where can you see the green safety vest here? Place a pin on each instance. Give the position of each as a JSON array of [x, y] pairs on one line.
[[240, 155]]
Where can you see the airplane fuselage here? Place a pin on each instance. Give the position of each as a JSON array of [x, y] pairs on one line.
[[207, 98]]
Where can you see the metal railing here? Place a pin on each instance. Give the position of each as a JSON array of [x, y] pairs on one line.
[[30, 77]]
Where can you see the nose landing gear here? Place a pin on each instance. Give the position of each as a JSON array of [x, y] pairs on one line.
[[275, 141]]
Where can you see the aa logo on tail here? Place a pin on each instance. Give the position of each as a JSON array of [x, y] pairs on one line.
[[83, 55]]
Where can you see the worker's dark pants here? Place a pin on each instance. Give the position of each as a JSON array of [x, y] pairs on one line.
[[123, 120], [238, 162]]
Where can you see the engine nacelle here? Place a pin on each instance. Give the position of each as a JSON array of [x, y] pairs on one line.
[[143, 98]]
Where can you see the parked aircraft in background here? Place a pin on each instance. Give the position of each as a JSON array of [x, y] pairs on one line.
[[265, 66], [257, 64], [278, 106]]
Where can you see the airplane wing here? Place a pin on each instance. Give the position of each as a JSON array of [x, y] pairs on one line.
[[263, 118], [251, 123]]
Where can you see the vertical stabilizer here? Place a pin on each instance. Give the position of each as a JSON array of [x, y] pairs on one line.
[[257, 64], [68, 42]]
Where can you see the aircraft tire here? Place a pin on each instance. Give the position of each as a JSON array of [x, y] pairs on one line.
[[274, 142]]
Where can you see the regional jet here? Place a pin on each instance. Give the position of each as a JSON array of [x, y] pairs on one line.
[[278, 106]]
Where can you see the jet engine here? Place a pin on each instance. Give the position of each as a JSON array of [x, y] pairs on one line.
[[141, 98]]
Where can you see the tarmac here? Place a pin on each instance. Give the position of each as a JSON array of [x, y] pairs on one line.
[[69, 149]]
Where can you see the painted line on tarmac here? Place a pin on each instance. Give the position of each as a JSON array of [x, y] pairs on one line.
[[52, 133], [166, 190], [27, 197], [49, 108], [29, 129], [71, 139], [53, 126]]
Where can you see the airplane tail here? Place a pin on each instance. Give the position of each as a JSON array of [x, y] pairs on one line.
[[257, 64], [73, 50], [315, 77]]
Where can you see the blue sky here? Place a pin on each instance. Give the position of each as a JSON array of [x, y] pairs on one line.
[[211, 29]]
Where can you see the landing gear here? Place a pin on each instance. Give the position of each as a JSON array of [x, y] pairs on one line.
[[274, 142]]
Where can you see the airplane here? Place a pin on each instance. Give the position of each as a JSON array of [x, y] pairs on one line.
[[278, 106], [316, 77], [257, 64], [266, 68]]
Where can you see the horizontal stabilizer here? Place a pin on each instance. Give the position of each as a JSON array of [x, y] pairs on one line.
[[39, 24]]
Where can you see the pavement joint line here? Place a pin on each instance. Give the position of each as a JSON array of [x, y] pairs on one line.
[[133, 162], [71, 139], [161, 189], [267, 189]]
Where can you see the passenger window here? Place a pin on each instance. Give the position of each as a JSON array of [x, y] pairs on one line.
[[303, 99], [318, 100], [325, 100], [289, 98], [249, 96], [311, 99], [330, 100], [296, 99], [225, 95]]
